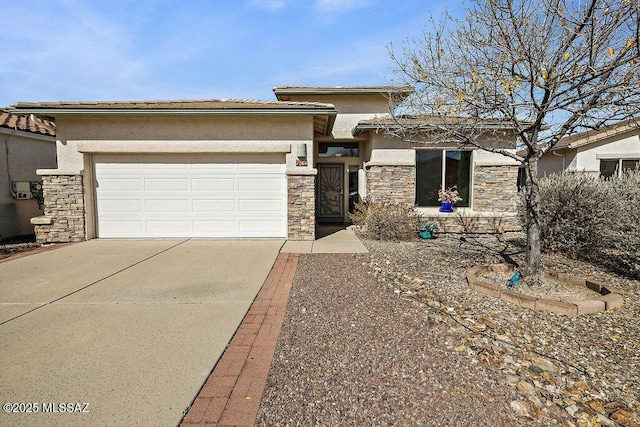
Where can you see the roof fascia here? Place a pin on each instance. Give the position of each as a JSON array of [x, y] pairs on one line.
[[342, 91], [122, 111], [27, 134]]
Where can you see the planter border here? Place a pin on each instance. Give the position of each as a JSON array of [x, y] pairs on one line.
[[609, 299]]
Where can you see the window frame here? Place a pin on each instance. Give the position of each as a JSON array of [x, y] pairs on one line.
[[619, 168], [443, 175]]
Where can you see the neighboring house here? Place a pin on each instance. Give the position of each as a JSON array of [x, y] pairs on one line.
[[27, 143], [605, 152], [233, 168]]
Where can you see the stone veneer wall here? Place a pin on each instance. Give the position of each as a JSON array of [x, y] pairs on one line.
[[392, 183], [64, 208], [495, 188], [301, 215]]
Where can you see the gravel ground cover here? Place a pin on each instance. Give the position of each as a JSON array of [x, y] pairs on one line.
[[396, 337], [11, 247]]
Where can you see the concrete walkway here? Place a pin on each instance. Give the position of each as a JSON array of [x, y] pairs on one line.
[[343, 241], [131, 328]]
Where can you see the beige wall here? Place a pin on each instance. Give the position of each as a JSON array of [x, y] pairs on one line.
[[585, 158], [71, 129], [354, 103], [20, 156]]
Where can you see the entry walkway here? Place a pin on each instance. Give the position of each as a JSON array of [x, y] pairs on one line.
[[343, 241], [231, 395]]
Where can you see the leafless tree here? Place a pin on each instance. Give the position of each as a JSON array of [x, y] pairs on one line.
[[545, 68]]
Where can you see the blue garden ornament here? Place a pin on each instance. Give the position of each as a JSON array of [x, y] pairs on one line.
[[514, 282], [428, 232]]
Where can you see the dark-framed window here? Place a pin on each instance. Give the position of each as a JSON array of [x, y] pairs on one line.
[[333, 149], [614, 167], [439, 169]]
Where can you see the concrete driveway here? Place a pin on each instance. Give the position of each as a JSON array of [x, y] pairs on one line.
[[130, 327]]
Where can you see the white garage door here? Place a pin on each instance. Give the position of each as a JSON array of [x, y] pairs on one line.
[[181, 196]]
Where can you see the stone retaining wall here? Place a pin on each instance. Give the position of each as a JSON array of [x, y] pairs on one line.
[[301, 215], [609, 298], [63, 210]]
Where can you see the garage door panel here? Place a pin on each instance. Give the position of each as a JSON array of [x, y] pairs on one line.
[[169, 226], [187, 196], [161, 184], [120, 184], [271, 228], [214, 205], [203, 184], [119, 205], [261, 206], [167, 205], [257, 184]]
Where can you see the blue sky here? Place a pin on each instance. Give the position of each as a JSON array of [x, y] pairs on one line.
[[72, 50]]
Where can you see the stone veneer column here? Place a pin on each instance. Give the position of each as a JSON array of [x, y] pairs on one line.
[[64, 213], [301, 214], [391, 183], [495, 188]]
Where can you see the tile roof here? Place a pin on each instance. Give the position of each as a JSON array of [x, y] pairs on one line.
[[196, 104], [425, 121], [27, 123], [591, 136]]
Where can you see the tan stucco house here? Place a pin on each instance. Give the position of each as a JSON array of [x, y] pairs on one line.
[[605, 152], [27, 143], [250, 169]]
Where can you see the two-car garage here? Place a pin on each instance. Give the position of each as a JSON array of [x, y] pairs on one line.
[[240, 196]]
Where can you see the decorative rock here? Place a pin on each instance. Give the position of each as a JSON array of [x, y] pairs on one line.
[[605, 421], [521, 408], [543, 364], [526, 388], [625, 418], [571, 410]]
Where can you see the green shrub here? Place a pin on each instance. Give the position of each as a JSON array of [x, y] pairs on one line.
[[593, 219], [384, 220]]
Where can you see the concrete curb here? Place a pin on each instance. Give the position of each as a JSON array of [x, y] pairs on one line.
[[609, 299]]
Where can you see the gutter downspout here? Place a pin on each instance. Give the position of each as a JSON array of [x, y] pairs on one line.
[[6, 149]]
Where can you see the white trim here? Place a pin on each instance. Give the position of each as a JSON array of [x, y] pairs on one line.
[[46, 172], [614, 156], [190, 147]]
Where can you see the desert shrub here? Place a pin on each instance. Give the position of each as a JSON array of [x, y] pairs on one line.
[[385, 220], [620, 238], [570, 205], [594, 219]]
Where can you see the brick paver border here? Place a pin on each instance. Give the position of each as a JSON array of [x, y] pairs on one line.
[[232, 393]]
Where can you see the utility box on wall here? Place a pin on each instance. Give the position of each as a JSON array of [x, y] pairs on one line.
[[24, 190]]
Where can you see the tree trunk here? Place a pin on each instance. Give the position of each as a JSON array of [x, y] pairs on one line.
[[532, 204]]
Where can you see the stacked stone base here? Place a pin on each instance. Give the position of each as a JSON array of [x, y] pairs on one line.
[[64, 214], [301, 215]]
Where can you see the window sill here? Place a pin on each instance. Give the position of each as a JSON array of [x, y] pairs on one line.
[[435, 212]]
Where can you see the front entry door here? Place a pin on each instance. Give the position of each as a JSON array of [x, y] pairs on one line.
[[330, 199]]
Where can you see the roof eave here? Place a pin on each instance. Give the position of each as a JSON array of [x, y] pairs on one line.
[[405, 89], [359, 129], [169, 111]]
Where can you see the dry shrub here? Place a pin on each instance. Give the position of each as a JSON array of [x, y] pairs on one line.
[[385, 220], [593, 219]]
